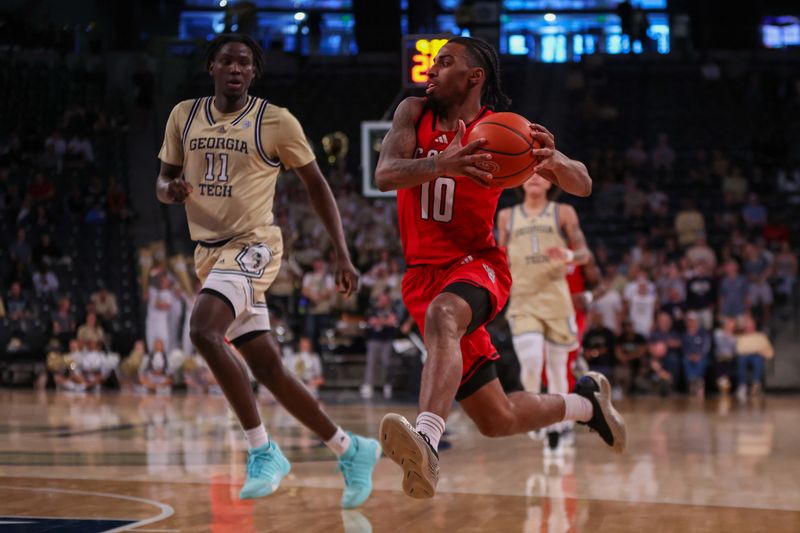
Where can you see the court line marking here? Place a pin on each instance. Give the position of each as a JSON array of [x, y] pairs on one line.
[[166, 510]]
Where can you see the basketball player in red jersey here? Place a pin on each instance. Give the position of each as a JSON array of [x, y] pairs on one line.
[[458, 279]]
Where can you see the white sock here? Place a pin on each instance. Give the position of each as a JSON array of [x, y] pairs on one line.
[[530, 354], [339, 443], [256, 437], [431, 425], [577, 408]]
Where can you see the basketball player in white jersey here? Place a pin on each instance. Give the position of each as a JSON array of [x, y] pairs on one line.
[[542, 239], [221, 157]]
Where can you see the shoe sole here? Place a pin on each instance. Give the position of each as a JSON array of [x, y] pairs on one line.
[[402, 447], [614, 420]]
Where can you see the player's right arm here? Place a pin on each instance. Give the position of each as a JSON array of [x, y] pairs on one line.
[[397, 168], [503, 219], [171, 188]]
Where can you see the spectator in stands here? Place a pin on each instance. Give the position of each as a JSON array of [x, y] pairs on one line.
[[696, 351], [733, 292], [700, 251], [689, 223], [20, 250], [159, 303], [635, 155], [91, 331], [641, 308], [598, 345], [752, 348], [670, 278], [675, 307], [785, 273], [40, 190], [701, 293], [117, 201], [663, 156], [282, 290], [382, 324], [635, 200], [104, 304], [724, 352], [665, 348], [47, 252], [610, 307], [55, 146], [154, 370], [306, 365], [734, 185], [64, 322], [79, 152], [630, 348], [18, 305], [754, 214], [69, 378], [757, 267], [45, 283], [318, 289], [198, 377]]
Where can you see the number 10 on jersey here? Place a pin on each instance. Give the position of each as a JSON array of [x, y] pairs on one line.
[[440, 207]]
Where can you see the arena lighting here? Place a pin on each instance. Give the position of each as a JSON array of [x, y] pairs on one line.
[[299, 16], [223, 3], [550, 17]]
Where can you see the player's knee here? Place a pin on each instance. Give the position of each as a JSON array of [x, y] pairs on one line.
[[499, 424], [441, 318], [205, 339]]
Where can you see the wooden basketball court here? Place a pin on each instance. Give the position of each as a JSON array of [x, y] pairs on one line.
[[115, 463]]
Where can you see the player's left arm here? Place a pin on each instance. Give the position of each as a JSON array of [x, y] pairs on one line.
[[577, 252], [323, 202], [568, 174]]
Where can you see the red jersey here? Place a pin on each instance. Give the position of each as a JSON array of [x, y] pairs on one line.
[[575, 279], [445, 219]]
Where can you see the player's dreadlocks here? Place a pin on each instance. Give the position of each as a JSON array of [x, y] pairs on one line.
[[224, 38], [483, 55]]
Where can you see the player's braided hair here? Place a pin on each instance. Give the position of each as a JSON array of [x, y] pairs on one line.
[[485, 56], [224, 38]]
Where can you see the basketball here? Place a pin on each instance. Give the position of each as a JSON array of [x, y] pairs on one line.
[[508, 139]]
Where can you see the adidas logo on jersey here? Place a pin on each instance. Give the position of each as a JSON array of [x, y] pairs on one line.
[[442, 139]]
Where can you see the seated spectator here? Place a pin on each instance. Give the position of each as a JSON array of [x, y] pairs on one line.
[[40, 190], [735, 184], [754, 213], [635, 155], [724, 352], [733, 292], [45, 282], [757, 267], [198, 377], [47, 252], [104, 304], [664, 346], [752, 348], [69, 377], [663, 156], [785, 272], [64, 322], [154, 371], [598, 345], [282, 290], [700, 295], [630, 348], [696, 350], [305, 365], [689, 223], [670, 278], [20, 250], [18, 305], [91, 331], [701, 252], [382, 326]]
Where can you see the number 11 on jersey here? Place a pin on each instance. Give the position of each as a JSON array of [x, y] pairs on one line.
[[444, 190]]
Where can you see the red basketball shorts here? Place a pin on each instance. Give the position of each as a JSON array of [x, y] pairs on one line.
[[487, 270]]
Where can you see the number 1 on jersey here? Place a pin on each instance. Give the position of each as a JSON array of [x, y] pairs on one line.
[[444, 190]]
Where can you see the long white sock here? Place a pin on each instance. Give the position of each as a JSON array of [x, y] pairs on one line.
[[530, 353], [256, 437], [556, 367], [577, 408], [431, 425], [339, 443]]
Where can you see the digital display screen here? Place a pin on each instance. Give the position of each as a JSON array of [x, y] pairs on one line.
[[418, 54]]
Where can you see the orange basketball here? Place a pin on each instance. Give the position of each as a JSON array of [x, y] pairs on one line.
[[508, 139]]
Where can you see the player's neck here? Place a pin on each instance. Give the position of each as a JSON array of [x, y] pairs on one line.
[[224, 104], [534, 204], [466, 111]]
